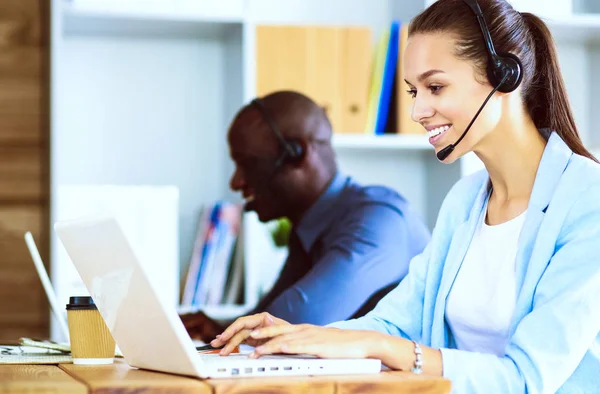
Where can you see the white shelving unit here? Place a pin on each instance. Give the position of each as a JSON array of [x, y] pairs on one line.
[[382, 142], [223, 11], [578, 41], [579, 28], [143, 92]]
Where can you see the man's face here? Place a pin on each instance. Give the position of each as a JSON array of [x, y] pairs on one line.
[[254, 150]]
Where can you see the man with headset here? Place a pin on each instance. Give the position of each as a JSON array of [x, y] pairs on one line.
[[349, 244]]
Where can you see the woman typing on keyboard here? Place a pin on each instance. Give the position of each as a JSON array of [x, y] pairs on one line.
[[504, 299]]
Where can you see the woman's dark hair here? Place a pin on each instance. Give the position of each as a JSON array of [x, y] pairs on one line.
[[522, 34]]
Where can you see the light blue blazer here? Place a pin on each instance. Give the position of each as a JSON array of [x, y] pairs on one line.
[[554, 341]]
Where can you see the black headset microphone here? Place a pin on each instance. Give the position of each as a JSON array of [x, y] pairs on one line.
[[503, 71], [293, 151]]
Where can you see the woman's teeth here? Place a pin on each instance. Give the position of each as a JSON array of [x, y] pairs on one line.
[[439, 130]]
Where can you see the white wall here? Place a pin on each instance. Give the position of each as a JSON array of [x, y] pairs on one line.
[[574, 62], [400, 170], [406, 10], [150, 96], [594, 98], [582, 6]]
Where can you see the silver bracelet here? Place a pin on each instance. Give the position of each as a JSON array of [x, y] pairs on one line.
[[418, 359]]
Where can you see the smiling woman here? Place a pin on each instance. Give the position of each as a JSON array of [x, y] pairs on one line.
[[509, 283]]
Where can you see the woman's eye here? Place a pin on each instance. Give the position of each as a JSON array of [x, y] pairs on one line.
[[435, 89], [412, 92]]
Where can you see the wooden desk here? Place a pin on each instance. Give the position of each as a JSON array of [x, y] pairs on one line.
[[120, 378]]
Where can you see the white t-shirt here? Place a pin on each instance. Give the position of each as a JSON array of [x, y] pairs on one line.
[[481, 303]]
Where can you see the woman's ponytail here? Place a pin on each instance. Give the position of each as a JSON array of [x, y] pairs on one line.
[[546, 96]]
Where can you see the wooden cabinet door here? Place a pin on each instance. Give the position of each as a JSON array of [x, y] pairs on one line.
[[24, 164], [24, 308]]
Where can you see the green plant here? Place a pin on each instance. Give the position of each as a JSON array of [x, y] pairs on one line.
[[280, 231]]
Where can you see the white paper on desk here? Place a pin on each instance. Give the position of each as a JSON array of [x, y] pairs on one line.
[[149, 217], [31, 355]]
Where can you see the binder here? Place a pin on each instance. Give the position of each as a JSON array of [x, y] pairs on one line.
[[323, 64], [387, 82], [355, 67], [331, 65], [376, 82], [281, 59]]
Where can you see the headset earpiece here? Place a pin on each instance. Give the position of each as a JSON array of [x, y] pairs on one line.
[[296, 151], [506, 64], [293, 151], [499, 66]]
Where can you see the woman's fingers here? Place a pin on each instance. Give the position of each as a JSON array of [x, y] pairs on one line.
[[302, 347], [242, 323], [273, 331], [317, 341], [235, 341], [282, 343]]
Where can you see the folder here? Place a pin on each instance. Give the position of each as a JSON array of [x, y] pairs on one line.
[[324, 71], [387, 79], [355, 71], [281, 59], [376, 82], [329, 64]]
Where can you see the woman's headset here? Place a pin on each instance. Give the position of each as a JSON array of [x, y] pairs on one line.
[[506, 66]]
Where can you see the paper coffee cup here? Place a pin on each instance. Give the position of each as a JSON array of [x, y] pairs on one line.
[[91, 341]]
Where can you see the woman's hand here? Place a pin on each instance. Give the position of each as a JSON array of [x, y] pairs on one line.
[[239, 331], [394, 352], [270, 335], [318, 341]]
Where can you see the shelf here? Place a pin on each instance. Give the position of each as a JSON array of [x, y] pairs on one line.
[[383, 142], [579, 27], [218, 312], [152, 17], [176, 10]]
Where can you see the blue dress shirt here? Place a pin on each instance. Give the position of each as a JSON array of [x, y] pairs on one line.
[[354, 241]]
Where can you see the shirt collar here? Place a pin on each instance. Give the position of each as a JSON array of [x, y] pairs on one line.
[[320, 214], [555, 159]]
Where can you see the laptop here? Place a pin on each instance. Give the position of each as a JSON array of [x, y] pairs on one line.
[[150, 333]]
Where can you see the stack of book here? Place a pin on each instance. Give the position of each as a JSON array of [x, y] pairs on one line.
[[389, 105], [214, 275]]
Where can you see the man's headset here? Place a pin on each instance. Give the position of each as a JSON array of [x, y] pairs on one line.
[[292, 150], [505, 72]]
